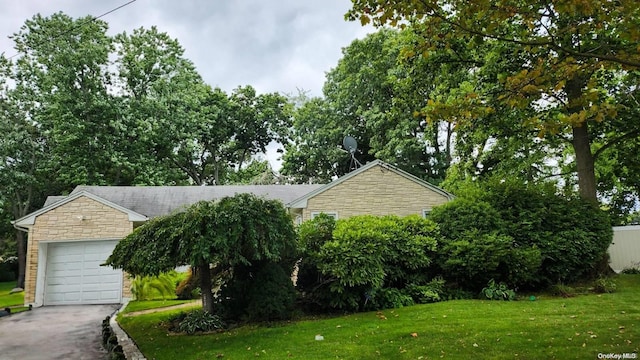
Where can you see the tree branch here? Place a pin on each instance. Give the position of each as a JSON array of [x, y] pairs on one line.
[[615, 142], [549, 43]]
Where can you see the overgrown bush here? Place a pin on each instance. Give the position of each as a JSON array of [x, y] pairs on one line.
[[369, 261], [475, 258], [260, 292], [528, 235], [464, 214], [312, 236]]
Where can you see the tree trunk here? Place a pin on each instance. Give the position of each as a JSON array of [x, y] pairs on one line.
[[581, 142], [584, 162], [22, 257], [205, 287]]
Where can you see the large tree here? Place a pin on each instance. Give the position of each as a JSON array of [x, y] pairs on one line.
[[24, 161], [232, 232], [372, 95], [569, 44]]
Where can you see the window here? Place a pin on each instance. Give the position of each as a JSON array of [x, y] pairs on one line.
[[426, 212], [333, 214]]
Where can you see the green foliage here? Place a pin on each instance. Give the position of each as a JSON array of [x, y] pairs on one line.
[[562, 290], [604, 285], [573, 235], [153, 287], [188, 287], [234, 231], [373, 94], [312, 235], [197, 321], [631, 270], [8, 268], [367, 257], [388, 298], [475, 258], [432, 291], [523, 235], [261, 292], [456, 217], [500, 291]]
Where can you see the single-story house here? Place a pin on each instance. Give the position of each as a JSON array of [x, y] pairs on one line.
[[72, 235]]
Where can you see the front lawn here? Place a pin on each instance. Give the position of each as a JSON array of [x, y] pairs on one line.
[[572, 328], [15, 300], [7, 299]]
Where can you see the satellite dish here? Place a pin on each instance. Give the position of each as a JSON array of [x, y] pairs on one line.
[[350, 144]]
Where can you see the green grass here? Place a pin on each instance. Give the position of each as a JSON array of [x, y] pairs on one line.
[[548, 328], [15, 301], [134, 306]]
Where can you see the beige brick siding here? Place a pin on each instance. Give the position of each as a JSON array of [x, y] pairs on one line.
[[377, 191], [79, 219]]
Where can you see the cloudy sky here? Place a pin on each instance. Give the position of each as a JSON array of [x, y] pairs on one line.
[[273, 45]]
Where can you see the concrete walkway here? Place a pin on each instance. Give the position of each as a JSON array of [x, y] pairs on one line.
[[55, 332]]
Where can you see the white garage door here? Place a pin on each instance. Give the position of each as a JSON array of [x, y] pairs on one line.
[[74, 275]]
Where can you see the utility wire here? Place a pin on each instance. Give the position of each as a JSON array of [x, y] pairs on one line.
[[85, 23]]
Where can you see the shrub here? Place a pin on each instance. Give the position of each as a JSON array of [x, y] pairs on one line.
[[261, 292], [368, 254], [463, 214], [528, 236], [477, 258], [631, 270], [494, 291], [562, 291], [364, 260], [153, 287], [196, 321], [388, 298], [312, 235], [573, 234], [604, 285], [428, 293]]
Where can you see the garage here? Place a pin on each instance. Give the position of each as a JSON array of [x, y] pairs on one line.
[[74, 275]]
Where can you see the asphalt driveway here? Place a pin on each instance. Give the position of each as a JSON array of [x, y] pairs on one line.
[[54, 332]]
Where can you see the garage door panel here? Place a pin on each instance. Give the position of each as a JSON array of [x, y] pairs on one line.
[[74, 275], [64, 278], [72, 266]]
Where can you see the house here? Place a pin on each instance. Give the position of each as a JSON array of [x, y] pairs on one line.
[[72, 235]]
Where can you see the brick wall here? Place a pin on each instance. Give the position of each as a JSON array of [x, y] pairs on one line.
[[80, 219], [377, 191]]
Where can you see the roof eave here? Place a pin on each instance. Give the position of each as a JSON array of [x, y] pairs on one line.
[[26, 222]]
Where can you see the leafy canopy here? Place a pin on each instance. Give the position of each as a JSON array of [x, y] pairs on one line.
[[229, 232]]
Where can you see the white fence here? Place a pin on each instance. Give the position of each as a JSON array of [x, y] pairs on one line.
[[625, 250]]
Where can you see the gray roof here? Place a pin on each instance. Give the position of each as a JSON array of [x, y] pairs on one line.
[[52, 200], [161, 200]]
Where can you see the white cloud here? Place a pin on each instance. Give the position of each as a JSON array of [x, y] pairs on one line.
[[271, 45]]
